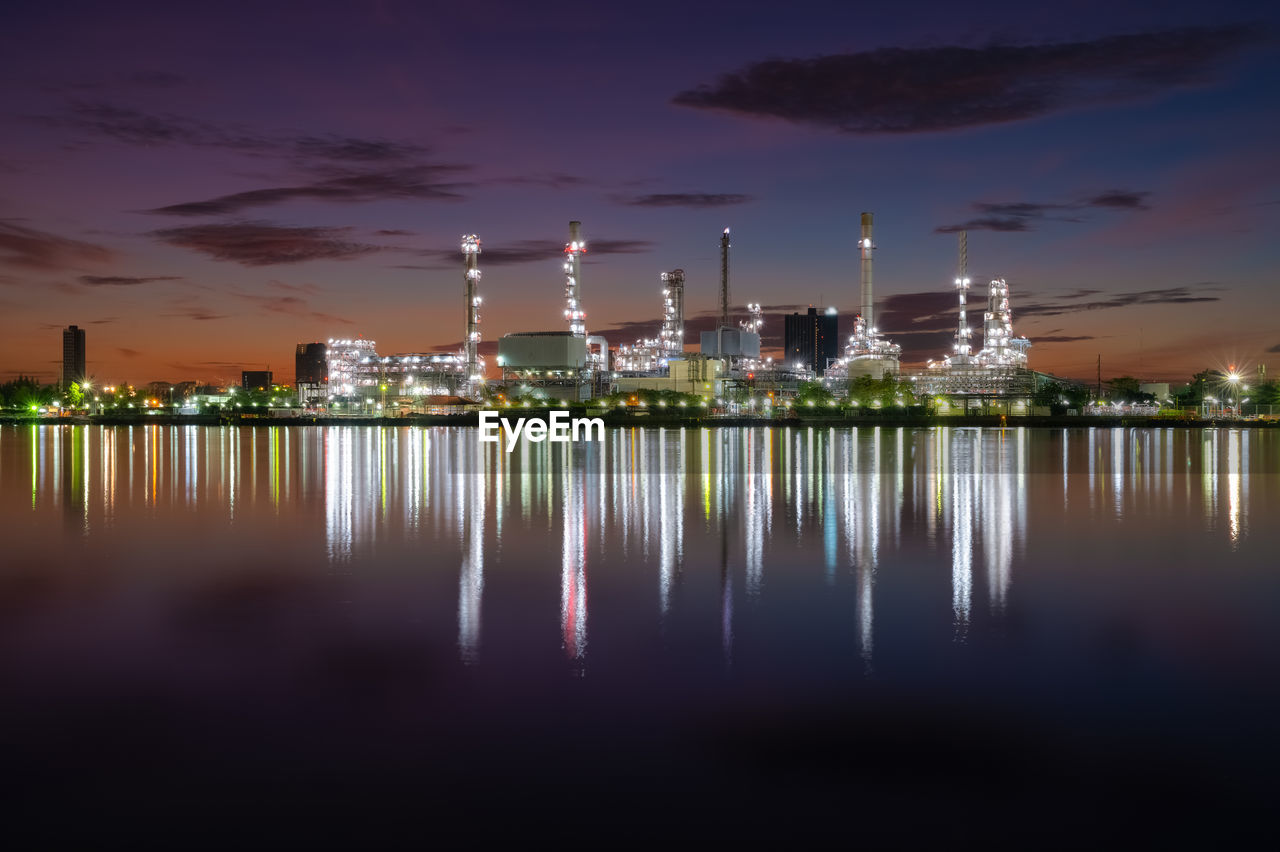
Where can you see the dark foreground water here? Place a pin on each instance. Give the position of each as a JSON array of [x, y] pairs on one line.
[[964, 632]]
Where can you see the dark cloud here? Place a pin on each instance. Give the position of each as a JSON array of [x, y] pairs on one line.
[[696, 200], [1062, 338], [127, 352], [918, 90], [393, 232], [264, 244], [553, 180], [350, 149], [986, 223], [136, 127], [529, 251], [1275, 348], [122, 280], [31, 249], [417, 182], [194, 312], [1013, 216], [291, 305], [1074, 303], [1120, 199]]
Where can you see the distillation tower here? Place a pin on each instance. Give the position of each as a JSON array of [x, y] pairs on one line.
[[867, 353], [654, 355], [999, 368]]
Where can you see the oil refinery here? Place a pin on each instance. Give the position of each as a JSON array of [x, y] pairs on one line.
[[570, 364]]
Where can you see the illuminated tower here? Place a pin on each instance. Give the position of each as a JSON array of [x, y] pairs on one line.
[[471, 342], [865, 247], [724, 279], [573, 312], [671, 338], [961, 354]]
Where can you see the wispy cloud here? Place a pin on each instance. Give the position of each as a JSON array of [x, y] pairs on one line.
[[29, 248], [696, 200], [410, 182], [264, 244], [1014, 216], [1092, 300], [528, 251], [123, 280], [920, 90]]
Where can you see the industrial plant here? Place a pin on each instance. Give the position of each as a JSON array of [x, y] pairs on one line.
[[570, 364]]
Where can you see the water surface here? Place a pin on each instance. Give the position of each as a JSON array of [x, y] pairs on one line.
[[861, 613]]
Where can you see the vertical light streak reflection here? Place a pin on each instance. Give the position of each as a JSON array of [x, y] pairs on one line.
[[754, 531], [339, 472], [471, 576], [962, 509], [573, 571], [1233, 487], [997, 522], [1118, 441]]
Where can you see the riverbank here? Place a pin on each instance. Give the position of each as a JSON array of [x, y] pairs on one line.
[[630, 418]]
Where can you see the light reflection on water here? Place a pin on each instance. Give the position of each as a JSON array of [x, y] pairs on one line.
[[767, 513]]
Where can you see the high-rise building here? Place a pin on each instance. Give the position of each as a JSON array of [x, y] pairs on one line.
[[812, 339], [72, 355], [310, 364], [255, 380], [311, 373]]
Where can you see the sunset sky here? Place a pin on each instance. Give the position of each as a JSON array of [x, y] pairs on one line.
[[204, 187]]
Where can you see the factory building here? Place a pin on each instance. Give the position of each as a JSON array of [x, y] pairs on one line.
[[811, 339], [255, 380], [554, 364], [695, 374]]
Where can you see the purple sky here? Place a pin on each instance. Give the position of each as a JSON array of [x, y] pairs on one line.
[[204, 188]]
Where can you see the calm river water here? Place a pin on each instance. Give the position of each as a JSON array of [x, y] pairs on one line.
[[1044, 628]]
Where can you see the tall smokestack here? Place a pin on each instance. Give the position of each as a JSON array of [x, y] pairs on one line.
[[724, 279], [471, 280], [868, 297], [573, 311], [961, 355]]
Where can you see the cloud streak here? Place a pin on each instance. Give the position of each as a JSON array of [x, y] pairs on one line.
[[28, 248], [932, 89], [411, 182], [1018, 216], [529, 251], [264, 244], [123, 280], [695, 200]]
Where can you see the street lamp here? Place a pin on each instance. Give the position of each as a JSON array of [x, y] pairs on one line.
[[1234, 378]]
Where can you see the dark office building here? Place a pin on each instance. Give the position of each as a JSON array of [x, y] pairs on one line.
[[72, 355], [310, 364], [812, 339], [255, 380]]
